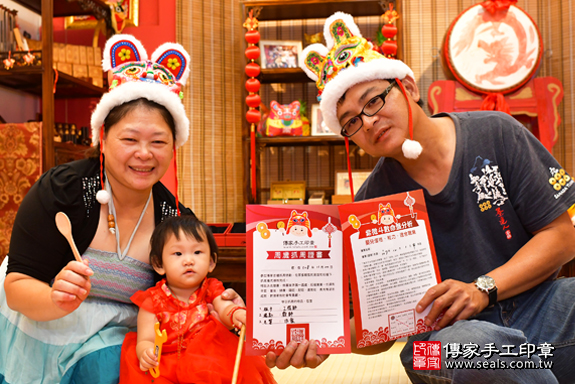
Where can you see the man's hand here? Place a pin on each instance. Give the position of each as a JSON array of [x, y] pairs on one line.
[[299, 356], [454, 300]]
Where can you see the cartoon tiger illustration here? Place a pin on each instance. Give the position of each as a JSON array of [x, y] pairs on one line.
[[299, 224], [385, 215]]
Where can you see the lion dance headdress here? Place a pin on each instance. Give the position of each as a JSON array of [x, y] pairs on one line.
[[347, 60], [132, 76]]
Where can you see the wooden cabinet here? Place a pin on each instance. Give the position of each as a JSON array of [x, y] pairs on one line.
[[39, 80], [315, 159]]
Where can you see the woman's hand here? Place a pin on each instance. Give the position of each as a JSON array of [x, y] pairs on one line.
[[230, 294], [297, 355], [71, 286], [148, 360]]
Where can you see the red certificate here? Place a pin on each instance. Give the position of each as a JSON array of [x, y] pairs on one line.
[[391, 261], [297, 284]]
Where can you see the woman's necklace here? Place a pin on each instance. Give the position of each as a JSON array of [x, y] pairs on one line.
[[112, 211]]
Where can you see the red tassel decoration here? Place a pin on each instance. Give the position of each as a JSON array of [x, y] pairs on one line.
[[253, 100], [389, 31], [495, 102]]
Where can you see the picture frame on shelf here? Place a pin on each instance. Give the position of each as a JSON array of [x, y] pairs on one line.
[[277, 54], [342, 186], [317, 128]]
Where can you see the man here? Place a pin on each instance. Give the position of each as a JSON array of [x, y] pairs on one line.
[[497, 203]]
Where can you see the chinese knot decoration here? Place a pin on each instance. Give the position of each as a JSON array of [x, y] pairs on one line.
[[253, 100], [388, 30]]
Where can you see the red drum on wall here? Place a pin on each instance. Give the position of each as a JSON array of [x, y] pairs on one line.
[[493, 50]]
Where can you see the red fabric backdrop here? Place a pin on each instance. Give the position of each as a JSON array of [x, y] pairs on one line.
[[20, 167]]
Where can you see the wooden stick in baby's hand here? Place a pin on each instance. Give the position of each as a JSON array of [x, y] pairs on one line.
[[160, 340], [239, 354]]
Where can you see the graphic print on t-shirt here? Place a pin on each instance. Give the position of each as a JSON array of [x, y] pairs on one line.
[[560, 181], [488, 185]]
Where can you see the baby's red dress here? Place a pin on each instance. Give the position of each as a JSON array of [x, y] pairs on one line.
[[207, 350]]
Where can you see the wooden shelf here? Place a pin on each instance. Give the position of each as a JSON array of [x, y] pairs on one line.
[[29, 79], [69, 8], [39, 80], [329, 146], [307, 9], [283, 75], [291, 141]]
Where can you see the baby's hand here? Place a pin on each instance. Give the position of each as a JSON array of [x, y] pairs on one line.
[[148, 360], [239, 318]]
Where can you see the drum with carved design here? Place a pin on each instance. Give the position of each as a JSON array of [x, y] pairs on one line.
[[492, 51]]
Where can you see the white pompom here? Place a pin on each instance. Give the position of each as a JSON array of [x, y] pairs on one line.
[[411, 149], [103, 196]]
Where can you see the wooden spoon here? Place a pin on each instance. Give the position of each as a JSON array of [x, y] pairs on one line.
[[65, 227]]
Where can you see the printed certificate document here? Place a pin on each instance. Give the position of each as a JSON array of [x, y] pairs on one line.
[[297, 284], [391, 261]]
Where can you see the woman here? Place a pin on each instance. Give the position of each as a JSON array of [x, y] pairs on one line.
[[63, 321]]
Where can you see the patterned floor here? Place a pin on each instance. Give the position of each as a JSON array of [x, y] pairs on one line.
[[384, 368]]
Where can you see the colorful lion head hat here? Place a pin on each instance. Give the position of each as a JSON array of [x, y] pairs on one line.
[[347, 60], [132, 76]]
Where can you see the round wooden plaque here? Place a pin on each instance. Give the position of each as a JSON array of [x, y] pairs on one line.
[[496, 52]]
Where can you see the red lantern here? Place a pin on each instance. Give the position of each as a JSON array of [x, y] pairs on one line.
[[252, 85], [252, 37], [253, 116], [252, 69], [253, 52], [389, 30], [389, 48], [253, 100]]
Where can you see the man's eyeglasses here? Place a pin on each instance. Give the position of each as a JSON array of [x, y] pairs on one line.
[[373, 106]]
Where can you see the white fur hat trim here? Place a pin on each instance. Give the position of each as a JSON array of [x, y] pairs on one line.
[[377, 69], [138, 89], [411, 149]]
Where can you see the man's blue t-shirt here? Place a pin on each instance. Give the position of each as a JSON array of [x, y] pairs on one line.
[[503, 186]]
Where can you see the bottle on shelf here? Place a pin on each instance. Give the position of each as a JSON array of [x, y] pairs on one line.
[[86, 139], [66, 138], [72, 137], [58, 132]]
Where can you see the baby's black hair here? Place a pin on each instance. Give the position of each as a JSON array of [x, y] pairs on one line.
[[190, 225]]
